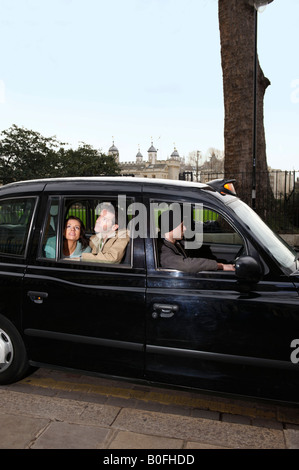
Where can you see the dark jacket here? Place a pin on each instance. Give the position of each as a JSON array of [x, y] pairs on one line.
[[173, 256]]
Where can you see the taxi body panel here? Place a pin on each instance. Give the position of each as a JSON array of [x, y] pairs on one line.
[[210, 330]]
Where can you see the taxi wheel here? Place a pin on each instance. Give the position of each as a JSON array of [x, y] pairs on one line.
[[13, 356]]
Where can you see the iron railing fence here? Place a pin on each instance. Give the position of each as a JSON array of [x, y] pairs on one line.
[[280, 205]]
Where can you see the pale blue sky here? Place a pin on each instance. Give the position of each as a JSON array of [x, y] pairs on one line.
[[139, 69]]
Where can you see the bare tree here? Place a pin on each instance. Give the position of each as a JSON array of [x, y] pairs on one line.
[[237, 37]]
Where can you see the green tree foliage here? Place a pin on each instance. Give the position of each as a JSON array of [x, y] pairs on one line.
[[26, 154], [86, 161]]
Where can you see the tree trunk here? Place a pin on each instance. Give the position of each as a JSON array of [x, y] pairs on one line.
[[237, 22]]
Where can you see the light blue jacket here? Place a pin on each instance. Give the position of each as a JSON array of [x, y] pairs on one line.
[[50, 249]]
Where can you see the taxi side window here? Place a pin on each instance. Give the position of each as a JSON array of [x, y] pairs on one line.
[[220, 240], [208, 234], [15, 220], [90, 246], [105, 223]]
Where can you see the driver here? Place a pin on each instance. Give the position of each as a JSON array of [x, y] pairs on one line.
[[172, 252]]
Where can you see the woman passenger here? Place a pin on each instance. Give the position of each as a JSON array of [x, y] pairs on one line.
[[75, 241]]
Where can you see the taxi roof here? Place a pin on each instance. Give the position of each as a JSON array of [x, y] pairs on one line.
[[120, 179], [219, 186]]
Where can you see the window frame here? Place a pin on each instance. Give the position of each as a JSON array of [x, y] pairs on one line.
[[40, 255], [206, 206], [65, 203]]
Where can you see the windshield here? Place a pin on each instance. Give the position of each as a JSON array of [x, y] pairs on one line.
[[271, 242]]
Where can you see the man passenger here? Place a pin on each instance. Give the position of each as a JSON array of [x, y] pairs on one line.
[[109, 243]]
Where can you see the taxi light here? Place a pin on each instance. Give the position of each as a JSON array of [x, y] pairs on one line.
[[230, 188], [223, 186]]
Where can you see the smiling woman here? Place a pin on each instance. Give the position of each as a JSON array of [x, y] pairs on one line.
[[75, 242]]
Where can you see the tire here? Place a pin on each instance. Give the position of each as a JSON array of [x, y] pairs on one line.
[[13, 357]]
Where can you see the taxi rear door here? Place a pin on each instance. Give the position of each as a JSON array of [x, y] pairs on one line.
[[87, 316]]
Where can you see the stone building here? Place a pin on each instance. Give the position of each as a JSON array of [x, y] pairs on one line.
[[151, 167]]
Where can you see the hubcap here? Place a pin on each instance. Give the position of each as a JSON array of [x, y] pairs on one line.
[[6, 351]]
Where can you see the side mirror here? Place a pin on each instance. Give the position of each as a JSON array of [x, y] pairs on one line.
[[248, 269]]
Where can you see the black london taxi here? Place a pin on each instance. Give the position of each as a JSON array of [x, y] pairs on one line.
[[224, 331]]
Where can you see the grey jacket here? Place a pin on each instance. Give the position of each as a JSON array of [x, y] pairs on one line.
[[174, 257]]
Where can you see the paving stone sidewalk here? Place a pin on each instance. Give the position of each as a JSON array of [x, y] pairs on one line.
[[35, 421]]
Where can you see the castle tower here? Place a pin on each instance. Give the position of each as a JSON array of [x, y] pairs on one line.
[[175, 155], [139, 157], [152, 155], [113, 151], [174, 164]]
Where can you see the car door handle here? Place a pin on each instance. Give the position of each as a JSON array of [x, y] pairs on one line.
[[164, 310], [37, 297]]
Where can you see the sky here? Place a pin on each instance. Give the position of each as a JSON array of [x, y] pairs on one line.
[[140, 71]]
